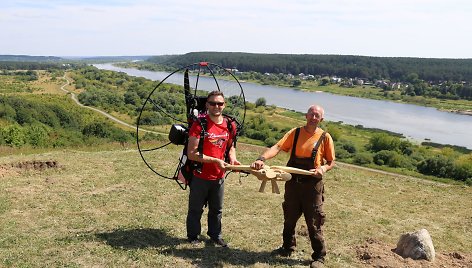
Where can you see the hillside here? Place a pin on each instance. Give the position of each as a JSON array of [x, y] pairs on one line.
[[27, 58], [104, 208]]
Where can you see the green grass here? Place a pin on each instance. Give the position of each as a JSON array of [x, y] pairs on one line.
[[106, 209]]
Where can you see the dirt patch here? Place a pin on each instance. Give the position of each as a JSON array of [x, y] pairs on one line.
[[15, 168], [7, 171], [374, 253], [36, 165]]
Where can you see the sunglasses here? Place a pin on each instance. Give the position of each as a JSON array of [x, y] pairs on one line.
[[212, 103]]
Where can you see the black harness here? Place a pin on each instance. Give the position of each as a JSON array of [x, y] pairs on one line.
[[187, 166]]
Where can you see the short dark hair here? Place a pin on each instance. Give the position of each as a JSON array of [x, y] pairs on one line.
[[215, 93]]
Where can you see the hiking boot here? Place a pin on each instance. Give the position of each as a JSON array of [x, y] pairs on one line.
[[283, 252], [319, 263], [193, 241], [219, 242]]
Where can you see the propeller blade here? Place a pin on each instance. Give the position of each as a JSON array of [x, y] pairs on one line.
[[188, 95]]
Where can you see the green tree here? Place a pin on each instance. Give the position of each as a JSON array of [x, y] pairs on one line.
[[37, 135], [260, 102], [296, 83], [386, 142], [14, 135], [438, 166], [97, 129], [364, 158]]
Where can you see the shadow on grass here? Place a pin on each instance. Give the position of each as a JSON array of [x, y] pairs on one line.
[[203, 255]]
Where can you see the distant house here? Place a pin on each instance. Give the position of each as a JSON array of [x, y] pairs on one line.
[[336, 80], [396, 86], [359, 82], [232, 70]]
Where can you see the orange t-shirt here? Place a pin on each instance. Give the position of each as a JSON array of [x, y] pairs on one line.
[[305, 144]]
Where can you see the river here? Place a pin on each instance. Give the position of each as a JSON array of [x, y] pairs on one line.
[[414, 122]]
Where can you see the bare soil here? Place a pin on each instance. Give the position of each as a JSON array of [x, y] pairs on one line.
[[374, 253], [14, 168]]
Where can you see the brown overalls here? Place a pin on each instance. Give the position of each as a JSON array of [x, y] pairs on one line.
[[304, 194]]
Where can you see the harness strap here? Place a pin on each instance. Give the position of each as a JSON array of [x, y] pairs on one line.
[[203, 123], [294, 146], [317, 145], [231, 131]]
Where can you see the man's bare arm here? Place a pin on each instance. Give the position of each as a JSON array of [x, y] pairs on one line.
[[268, 154]]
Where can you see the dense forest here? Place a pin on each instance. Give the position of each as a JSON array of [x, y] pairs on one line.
[[27, 58], [31, 65], [395, 69]]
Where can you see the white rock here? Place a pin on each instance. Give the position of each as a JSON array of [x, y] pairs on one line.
[[417, 245]]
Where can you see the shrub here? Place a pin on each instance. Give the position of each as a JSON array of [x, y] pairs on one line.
[[382, 157], [350, 147], [335, 133], [342, 154], [97, 129], [270, 141], [260, 102], [250, 105], [384, 142], [14, 135], [363, 158], [462, 171], [397, 160], [438, 166], [37, 135]]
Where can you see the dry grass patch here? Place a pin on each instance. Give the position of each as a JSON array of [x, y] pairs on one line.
[[106, 209]]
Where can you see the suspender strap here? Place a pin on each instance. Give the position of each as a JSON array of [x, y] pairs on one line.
[[294, 146], [318, 143], [315, 149]]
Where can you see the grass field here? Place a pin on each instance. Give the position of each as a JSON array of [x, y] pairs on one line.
[[106, 209]]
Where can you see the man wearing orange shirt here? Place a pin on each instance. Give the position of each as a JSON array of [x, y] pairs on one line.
[[310, 149]]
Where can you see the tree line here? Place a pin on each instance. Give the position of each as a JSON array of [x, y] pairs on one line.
[[32, 65], [392, 68]]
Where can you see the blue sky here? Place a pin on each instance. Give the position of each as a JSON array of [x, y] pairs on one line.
[[386, 28]]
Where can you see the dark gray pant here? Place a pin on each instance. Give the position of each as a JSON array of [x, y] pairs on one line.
[[202, 191]]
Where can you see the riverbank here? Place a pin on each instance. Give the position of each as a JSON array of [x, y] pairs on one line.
[[463, 107], [412, 121], [465, 112]]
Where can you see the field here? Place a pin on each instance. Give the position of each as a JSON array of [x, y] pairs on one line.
[[104, 208]]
